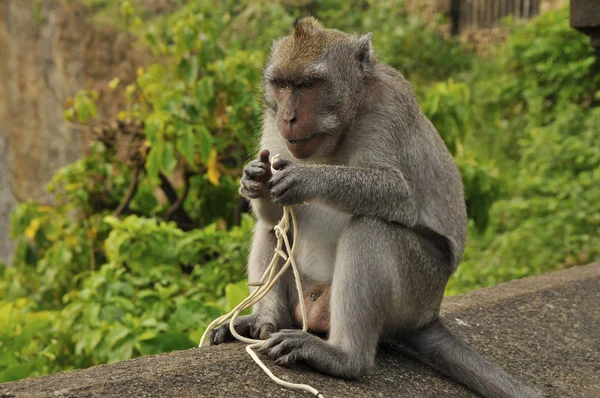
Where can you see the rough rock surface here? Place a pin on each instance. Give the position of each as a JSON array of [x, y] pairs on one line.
[[49, 50], [7, 203], [543, 330]]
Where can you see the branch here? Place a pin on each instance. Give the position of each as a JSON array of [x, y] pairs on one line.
[[167, 188], [242, 207], [176, 206], [133, 186], [176, 212]]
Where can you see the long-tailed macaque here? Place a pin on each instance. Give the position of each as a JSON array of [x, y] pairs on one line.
[[380, 209]]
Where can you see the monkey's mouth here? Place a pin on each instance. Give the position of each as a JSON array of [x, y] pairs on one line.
[[305, 147], [302, 140]]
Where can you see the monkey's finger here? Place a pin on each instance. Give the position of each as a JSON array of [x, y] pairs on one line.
[[277, 194], [264, 156], [283, 200], [280, 164], [277, 179], [252, 185], [256, 170], [249, 194], [283, 194]]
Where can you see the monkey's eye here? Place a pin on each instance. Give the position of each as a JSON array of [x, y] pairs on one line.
[[281, 84], [307, 84]]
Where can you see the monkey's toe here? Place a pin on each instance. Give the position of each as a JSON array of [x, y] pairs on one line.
[[220, 335], [288, 359], [252, 326], [284, 343]]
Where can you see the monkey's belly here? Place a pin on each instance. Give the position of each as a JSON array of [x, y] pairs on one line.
[[319, 230]]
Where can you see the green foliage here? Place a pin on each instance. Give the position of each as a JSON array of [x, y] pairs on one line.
[[404, 41], [156, 291], [210, 109], [554, 216], [82, 107], [140, 302], [25, 347], [98, 278], [551, 62], [538, 102]]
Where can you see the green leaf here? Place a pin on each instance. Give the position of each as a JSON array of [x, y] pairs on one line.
[[235, 294], [206, 143], [190, 315], [186, 144], [153, 162], [16, 372], [168, 159], [116, 334], [183, 69], [114, 83], [205, 90], [92, 338], [193, 70]]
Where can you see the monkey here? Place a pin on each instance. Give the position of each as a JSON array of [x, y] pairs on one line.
[[380, 209]]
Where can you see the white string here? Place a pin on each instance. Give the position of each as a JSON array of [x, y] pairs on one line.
[[268, 279]]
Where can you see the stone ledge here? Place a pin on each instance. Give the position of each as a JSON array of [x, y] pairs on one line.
[[543, 330]]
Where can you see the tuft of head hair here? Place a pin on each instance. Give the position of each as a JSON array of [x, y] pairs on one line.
[[295, 56], [306, 26]]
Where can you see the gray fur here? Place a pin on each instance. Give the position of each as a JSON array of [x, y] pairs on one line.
[[381, 216]]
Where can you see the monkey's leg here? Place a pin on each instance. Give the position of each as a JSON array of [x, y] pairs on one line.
[[365, 282], [274, 311]]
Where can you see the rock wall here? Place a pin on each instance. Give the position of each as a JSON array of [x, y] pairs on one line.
[[7, 202], [48, 51]]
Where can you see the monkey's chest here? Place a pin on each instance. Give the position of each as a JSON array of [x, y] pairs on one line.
[[319, 231]]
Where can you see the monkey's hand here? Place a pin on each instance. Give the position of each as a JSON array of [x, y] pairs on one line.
[[256, 175], [291, 184]]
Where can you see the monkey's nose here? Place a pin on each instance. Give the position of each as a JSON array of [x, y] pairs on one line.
[[291, 119]]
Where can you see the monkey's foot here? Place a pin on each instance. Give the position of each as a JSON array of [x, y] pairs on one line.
[[255, 326], [291, 345]]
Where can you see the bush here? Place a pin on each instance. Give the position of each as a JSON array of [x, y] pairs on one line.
[[157, 291], [540, 104]]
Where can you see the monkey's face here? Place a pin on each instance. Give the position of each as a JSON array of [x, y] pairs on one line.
[[301, 118], [313, 84]]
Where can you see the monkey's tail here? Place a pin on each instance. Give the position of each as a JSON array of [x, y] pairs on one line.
[[438, 347]]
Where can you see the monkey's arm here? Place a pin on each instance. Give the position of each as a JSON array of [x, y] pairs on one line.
[[381, 193], [267, 211]]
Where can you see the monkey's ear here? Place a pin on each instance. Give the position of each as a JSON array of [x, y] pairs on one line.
[[364, 51]]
